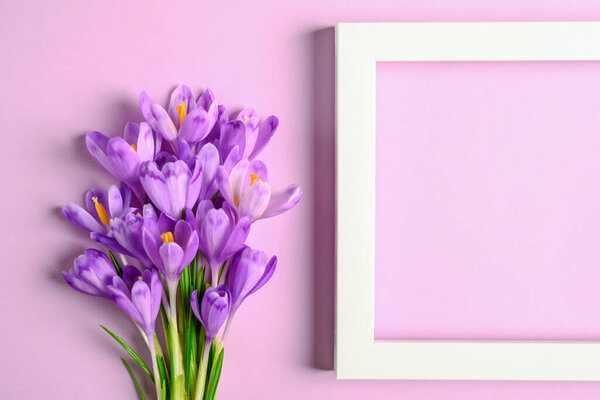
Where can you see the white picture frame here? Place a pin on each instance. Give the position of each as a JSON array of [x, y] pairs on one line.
[[357, 354]]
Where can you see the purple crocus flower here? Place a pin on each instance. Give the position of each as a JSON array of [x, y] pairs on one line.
[[220, 235], [177, 185], [101, 208], [91, 274], [246, 189], [245, 133], [120, 158], [140, 301], [213, 310], [184, 119], [126, 235], [249, 270], [171, 245]]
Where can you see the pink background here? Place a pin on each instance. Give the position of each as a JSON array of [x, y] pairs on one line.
[[488, 193], [72, 66]]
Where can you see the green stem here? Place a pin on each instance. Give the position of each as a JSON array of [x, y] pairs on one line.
[[177, 374], [202, 373], [157, 379]]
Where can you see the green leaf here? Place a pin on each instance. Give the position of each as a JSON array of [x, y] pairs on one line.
[[215, 374], [137, 385], [131, 352], [164, 377], [115, 263]]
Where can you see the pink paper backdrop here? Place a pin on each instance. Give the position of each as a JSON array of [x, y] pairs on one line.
[[72, 66]]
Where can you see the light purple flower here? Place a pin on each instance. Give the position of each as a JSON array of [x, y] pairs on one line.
[[126, 235], [140, 301], [101, 208], [177, 186], [183, 119], [91, 274], [213, 310], [171, 245], [120, 158], [249, 270], [245, 133], [220, 235], [247, 190]]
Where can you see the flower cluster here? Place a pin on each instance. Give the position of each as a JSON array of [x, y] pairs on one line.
[[175, 229]]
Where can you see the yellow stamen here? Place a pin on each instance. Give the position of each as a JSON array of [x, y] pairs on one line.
[[134, 146], [182, 112], [140, 278], [138, 213], [167, 237], [254, 178], [101, 211], [246, 118]]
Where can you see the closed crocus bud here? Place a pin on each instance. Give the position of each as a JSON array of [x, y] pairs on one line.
[[214, 309], [249, 271], [92, 272]]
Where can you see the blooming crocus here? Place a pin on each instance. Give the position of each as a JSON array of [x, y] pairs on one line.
[[220, 235], [141, 301], [213, 310], [245, 133], [170, 245], [101, 208], [248, 271], [126, 235], [246, 189], [91, 274], [120, 158], [183, 119]]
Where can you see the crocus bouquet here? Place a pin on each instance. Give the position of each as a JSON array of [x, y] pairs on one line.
[[174, 228]]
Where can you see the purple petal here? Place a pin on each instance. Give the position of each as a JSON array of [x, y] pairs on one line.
[[208, 157], [155, 185], [122, 300], [81, 286], [131, 132], [131, 275], [213, 234], [163, 123], [151, 243], [182, 93], [233, 133], [177, 176], [115, 201], [81, 218], [236, 239], [269, 270], [197, 125], [224, 186], [172, 256], [283, 201], [96, 144], [194, 304], [265, 133], [140, 297], [255, 200], [110, 242], [124, 159], [145, 143]]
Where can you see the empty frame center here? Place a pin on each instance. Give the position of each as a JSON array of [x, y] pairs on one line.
[[487, 201]]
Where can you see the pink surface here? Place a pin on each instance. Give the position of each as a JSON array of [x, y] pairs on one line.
[[72, 66], [488, 193]]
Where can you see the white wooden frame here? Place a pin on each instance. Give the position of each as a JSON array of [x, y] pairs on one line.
[[358, 47]]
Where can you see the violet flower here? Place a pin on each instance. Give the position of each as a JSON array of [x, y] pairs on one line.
[[248, 271], [246, 189], [245, 133], [170, 245], [177, 186], [101, 208], [122, 159], [184, 119], [141, 302], [126, 235], [220, 235], [91, 274], [213, 310]]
